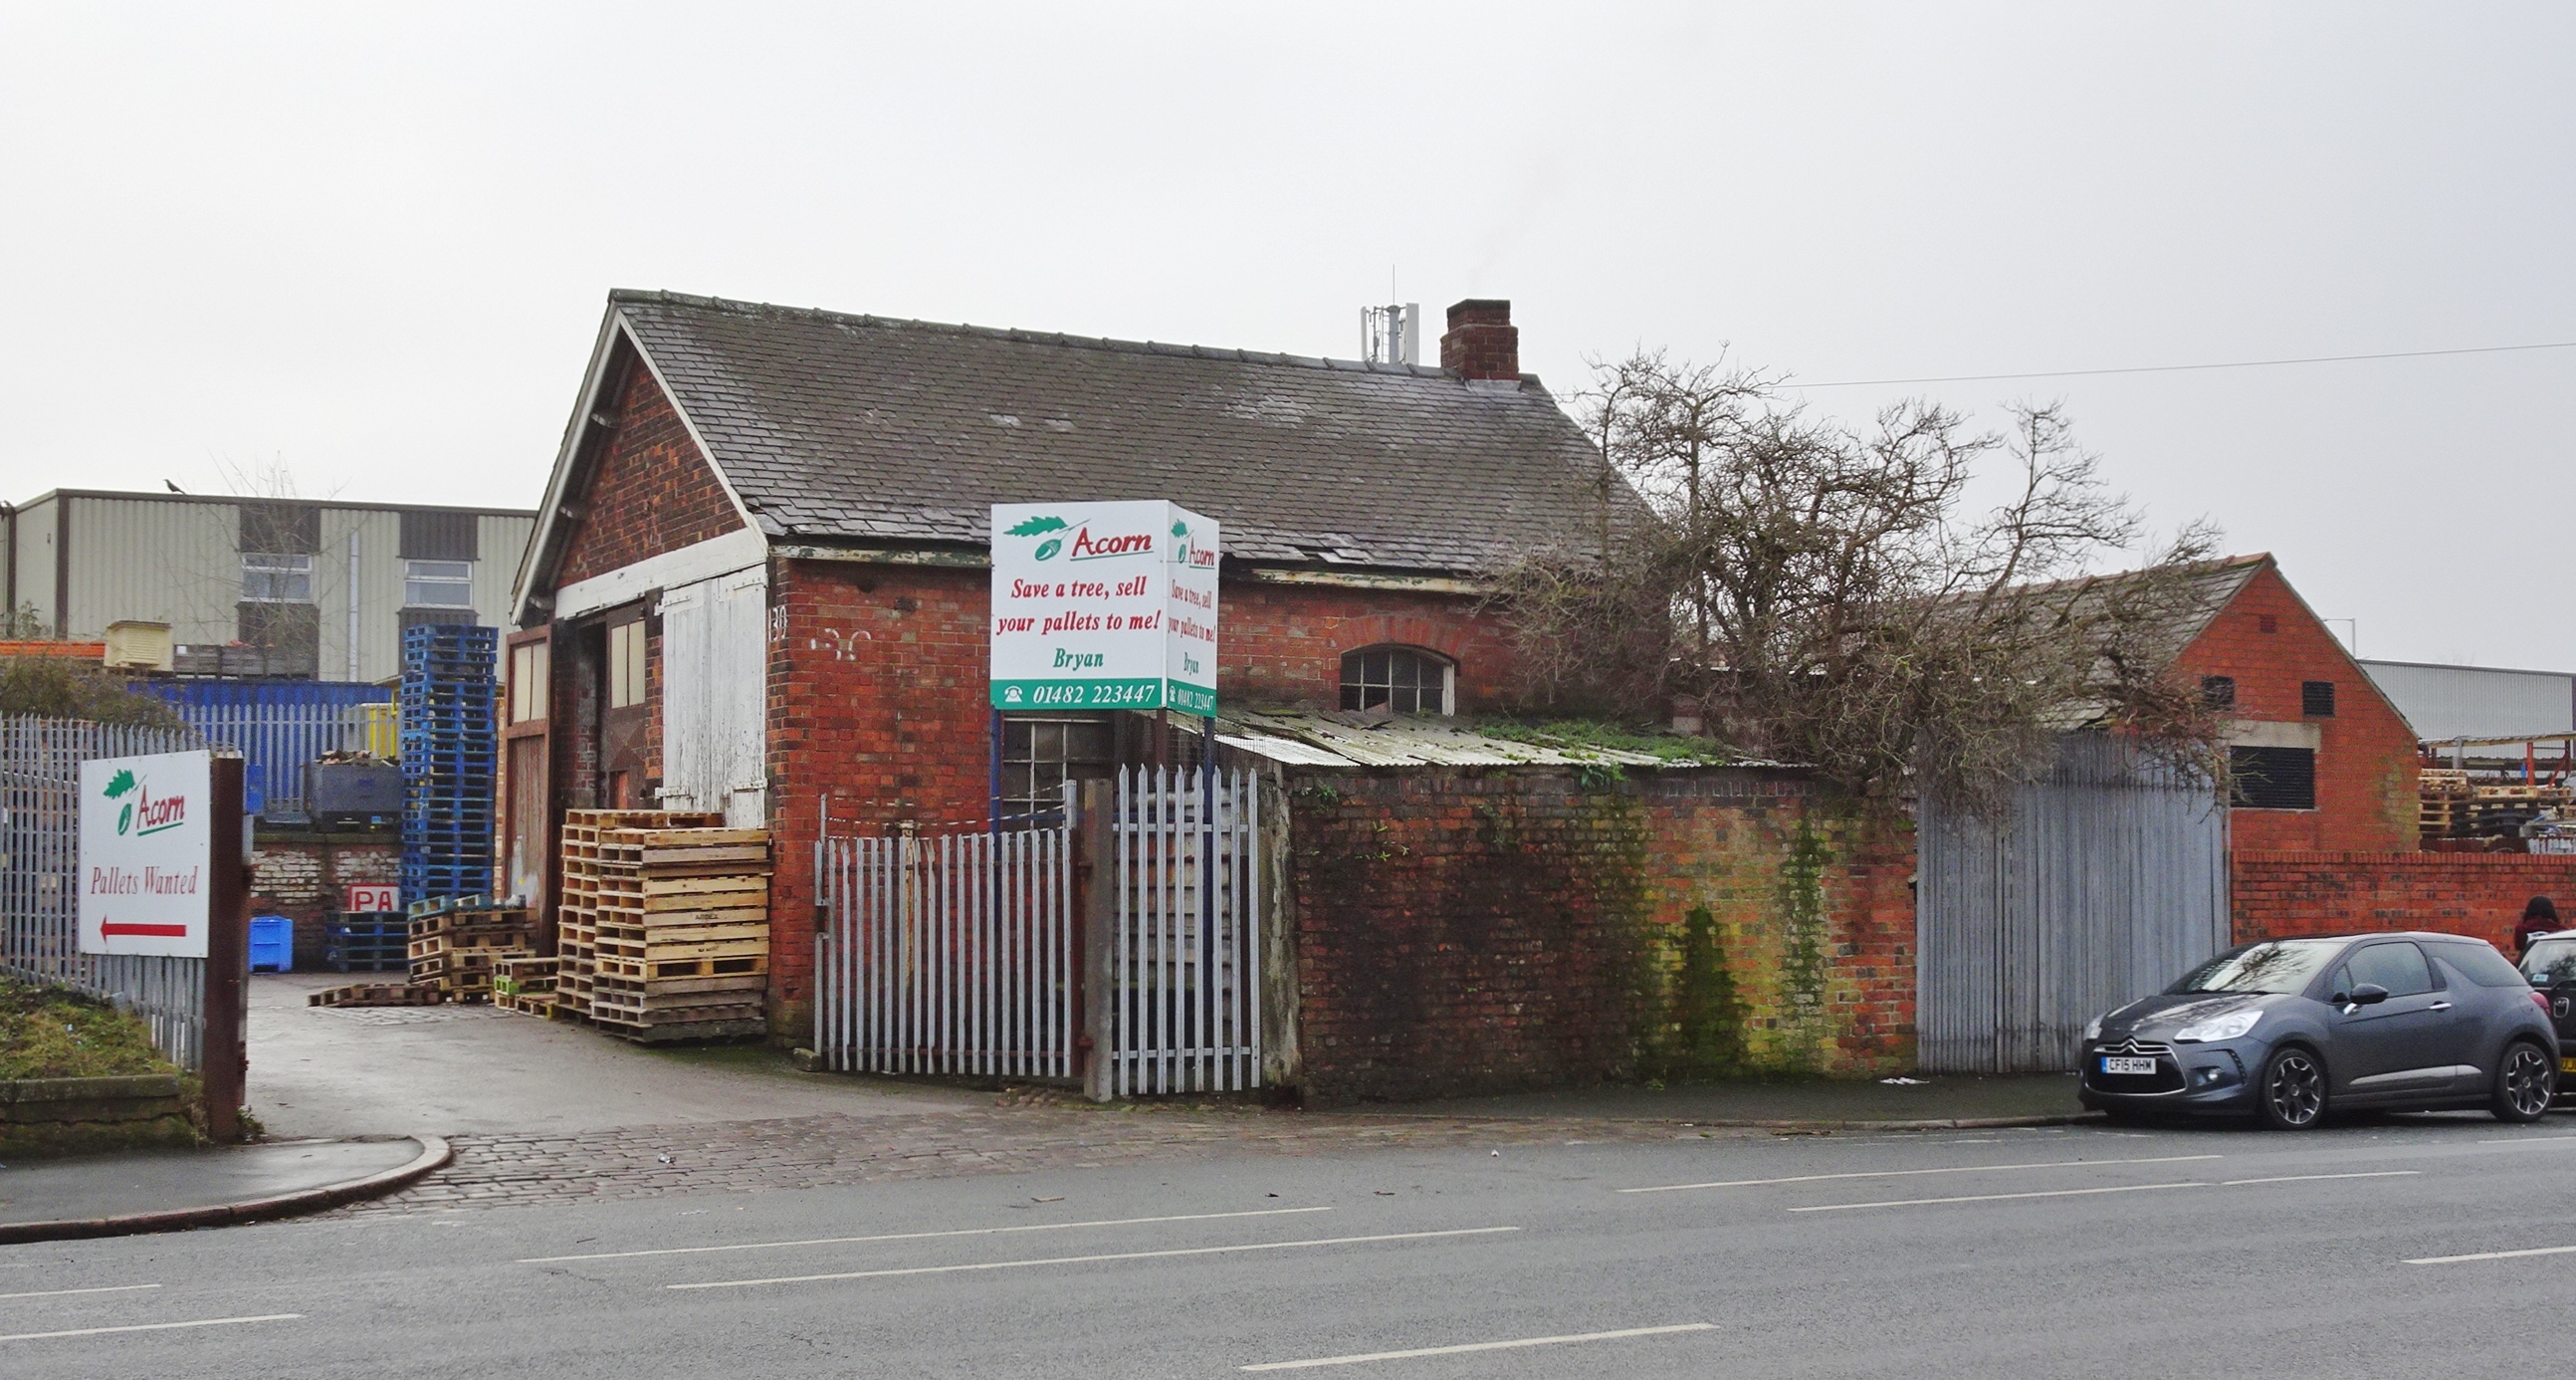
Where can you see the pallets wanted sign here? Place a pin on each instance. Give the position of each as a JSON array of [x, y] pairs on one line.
[[1104, 606], [146, 839]]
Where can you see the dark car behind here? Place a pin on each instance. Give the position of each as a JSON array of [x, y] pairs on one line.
[[2550, 966]]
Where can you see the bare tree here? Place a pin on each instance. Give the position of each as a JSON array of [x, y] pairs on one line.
[[1827, 597]]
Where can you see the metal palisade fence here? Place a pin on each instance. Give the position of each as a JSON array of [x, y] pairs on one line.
[[1182, 970], [948, 953], [40, 878]]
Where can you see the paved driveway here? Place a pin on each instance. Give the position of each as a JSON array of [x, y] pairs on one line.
[[449, 1070]]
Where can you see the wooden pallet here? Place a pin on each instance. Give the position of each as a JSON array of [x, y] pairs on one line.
[[376, 994]]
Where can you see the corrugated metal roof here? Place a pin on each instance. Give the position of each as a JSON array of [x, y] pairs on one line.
[[1337, 739]]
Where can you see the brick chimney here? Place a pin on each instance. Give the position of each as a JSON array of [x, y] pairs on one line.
[[1482, 342]]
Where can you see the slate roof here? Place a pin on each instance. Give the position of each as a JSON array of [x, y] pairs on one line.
[[858, 428]]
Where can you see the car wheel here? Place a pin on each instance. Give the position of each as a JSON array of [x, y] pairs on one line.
[[2524, 1084], [2294, 1090]]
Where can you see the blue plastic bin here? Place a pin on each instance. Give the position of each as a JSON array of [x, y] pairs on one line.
[[272, 943]]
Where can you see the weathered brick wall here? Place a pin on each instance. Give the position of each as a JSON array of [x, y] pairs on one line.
[[877, 680], [2366, 763], [1460, 932], [650, 492], [299, 876], [2280, 895]]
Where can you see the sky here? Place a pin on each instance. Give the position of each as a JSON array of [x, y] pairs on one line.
[[368, 247]]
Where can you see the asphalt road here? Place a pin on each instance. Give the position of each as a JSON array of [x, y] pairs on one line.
[[2009, 1253]]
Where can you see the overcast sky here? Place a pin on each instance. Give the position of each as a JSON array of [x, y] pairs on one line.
[[374, 249]]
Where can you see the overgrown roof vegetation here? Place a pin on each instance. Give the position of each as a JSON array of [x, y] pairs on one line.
[[55, 687], [1828, 594], [49, 1032], [1574, 735]]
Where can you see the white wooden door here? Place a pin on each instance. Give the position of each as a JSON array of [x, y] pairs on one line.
[[715, 697]]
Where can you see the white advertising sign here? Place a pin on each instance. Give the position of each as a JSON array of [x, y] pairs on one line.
[[1104, 606], [146, 847]]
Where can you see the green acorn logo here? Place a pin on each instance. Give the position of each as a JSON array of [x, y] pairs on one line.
[[118, 785], [1030, 527]]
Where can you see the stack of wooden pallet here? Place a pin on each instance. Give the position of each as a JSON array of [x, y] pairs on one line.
[[681, 933], [457, 942], [525, 985], [577, 909]]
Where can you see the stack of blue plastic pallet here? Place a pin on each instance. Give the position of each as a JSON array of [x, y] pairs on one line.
[[367, 942], [450, 746]]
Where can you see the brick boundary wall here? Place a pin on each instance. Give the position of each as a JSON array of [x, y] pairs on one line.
[[299, 875], [1462, 931], [2282, 895]]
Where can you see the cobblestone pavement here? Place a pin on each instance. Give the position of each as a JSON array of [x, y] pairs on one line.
[[817, 1151]]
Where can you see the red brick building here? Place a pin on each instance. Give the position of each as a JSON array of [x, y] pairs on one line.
[[759, 578], [2322, 759]]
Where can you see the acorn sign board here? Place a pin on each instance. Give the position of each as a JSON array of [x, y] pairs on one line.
[[146, 839], [1104, 606]]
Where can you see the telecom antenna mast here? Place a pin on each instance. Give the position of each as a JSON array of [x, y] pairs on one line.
[[1391, 334]]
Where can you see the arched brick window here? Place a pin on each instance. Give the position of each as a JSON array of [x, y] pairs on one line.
[[1405, 679]]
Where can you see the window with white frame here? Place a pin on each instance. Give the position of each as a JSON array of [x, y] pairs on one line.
[[1403, 679], [272, 577], [438, 584]]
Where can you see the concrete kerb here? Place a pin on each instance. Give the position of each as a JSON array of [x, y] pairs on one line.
[[1786, 1125], [434, 1154]]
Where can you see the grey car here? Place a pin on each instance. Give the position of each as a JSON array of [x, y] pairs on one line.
[[2288, 1029]]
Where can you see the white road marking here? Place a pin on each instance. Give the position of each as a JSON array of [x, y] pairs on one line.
[[2494, 1255], [146, 1327], [920, 1235], [1365, 1357], [58, 1293], [1910, 1173], [1998, 1197], [1093, 1259], [2304, 1178]]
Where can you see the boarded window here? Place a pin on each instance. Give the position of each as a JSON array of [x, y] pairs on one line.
[[293, 529], [528, 682], [2272, 778], [438, 537], [2316, 698], [1397, 678]]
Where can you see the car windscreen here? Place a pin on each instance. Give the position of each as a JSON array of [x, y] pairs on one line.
[[2279, 965], [2551, 961]]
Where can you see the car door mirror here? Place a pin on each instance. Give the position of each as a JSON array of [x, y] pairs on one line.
[[2367, 994]]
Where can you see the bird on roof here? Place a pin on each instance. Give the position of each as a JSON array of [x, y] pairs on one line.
[[172, 487]]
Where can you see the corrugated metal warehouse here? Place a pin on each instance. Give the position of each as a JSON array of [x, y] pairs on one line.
[[2475, 702], [311, 589]]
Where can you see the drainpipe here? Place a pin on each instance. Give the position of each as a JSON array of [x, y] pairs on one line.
[[353, 602]]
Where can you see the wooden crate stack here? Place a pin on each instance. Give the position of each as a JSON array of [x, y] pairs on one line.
[[680, 947], [457, 943], [525, 985], [577, 909]]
